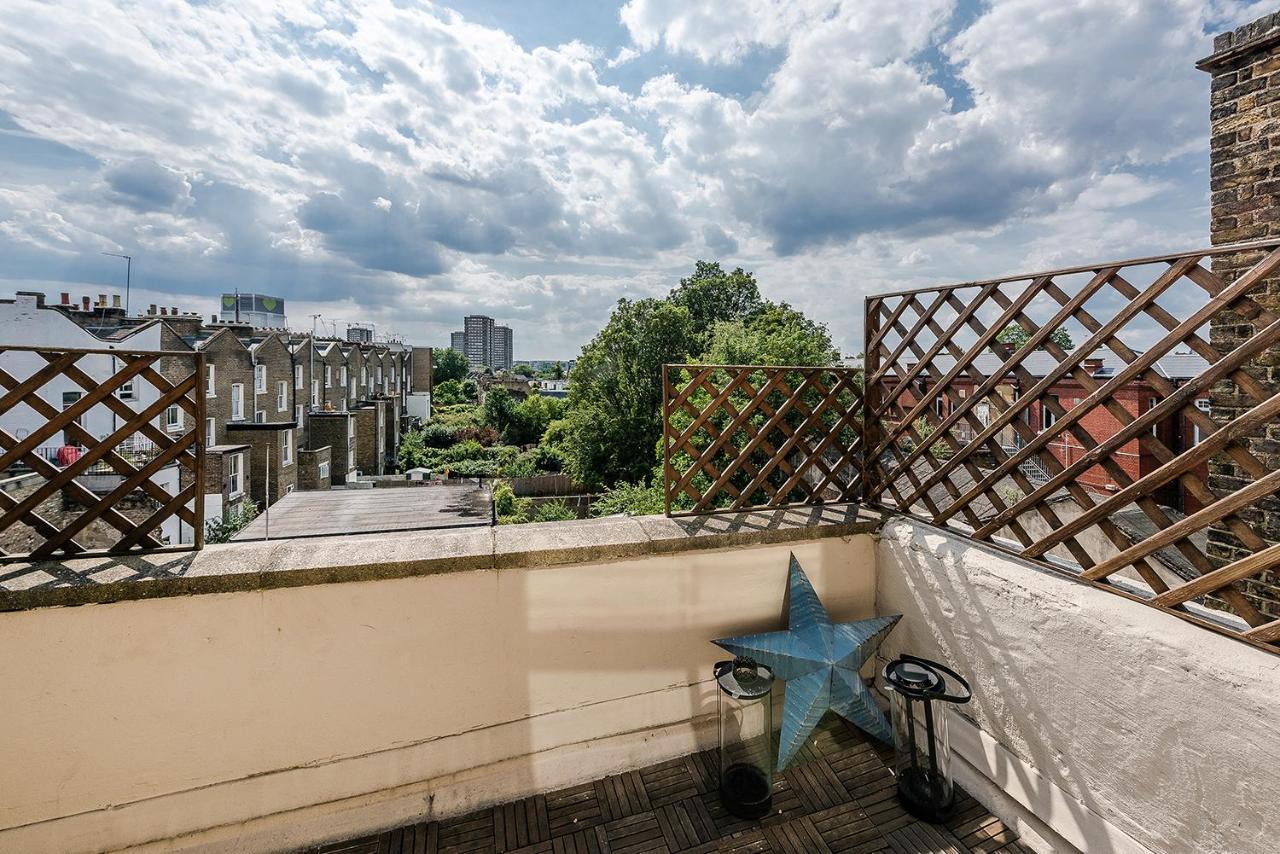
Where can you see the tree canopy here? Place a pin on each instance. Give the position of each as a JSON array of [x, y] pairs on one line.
[[713, 296], [448, 364], [776, 334], [614, 421], [615, 393], [1019, 337]]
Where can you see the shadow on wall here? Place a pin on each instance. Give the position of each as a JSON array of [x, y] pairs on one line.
[[1148, 722]]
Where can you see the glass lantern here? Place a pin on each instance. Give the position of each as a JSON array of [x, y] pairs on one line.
[[920, 691], [746, 737]]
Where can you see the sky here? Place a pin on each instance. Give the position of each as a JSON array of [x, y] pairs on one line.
[[406, 163]]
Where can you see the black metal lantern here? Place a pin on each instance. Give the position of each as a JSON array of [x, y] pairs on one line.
[[746, 737], [919, 688]]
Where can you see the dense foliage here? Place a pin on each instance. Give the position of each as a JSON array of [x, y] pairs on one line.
[[615, 394], [448, 364]]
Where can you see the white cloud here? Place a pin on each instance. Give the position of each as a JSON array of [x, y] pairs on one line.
[[401, 163]]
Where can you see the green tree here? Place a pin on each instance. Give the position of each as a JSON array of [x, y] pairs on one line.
[[470, 391], [522, 369], [447, 393], [775, 335], [529, 419], [448, 364], [713, 296], [1018, 337], [614, 418], [499, 407]]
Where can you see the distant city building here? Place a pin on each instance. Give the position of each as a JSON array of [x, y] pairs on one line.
[[501, 349], [478, 341], [359, 333], [258, 310], [483, 343]]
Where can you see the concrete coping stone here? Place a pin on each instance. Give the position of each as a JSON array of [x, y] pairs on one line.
[[263, 565]]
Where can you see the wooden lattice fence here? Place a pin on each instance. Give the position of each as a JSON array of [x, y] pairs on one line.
[[738, 437], [97, 407], [973, 433]]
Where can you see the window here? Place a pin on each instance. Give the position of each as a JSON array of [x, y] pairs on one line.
[[1047, 418], [210, 432], [940, 406], [69, 399], [297, 414], [127, 391], [173, 418], [297, 376], [1151, 404], [983, 411], [259, 379], [282, 396], [235, 475], [315, 394], [351, 434], [352, 391], [260, 416], [323, 470], [342, 374], [364, 375], [286, 448], [1197, 435], [379, 375], [210, 389], [237, 402], [328, 376]]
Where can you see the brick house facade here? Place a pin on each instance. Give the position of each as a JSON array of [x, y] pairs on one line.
[[1244, 169], [228, 383], [272, 457], [336, 431]]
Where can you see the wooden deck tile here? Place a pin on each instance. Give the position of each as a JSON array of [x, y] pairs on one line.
[[839, 797]]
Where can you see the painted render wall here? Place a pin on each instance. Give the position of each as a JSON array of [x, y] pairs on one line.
[[1121, 727], [287, 716]]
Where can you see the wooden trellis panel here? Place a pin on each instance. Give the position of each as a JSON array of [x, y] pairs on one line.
[[740, 437], [971, 433], [100, 474]]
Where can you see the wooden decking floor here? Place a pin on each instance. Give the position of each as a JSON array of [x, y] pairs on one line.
[[837, 797]]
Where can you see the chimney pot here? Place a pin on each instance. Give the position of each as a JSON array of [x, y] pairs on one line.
[[115, 300], [173, 309], [66, 298], [151, 309], [164, 311], [84, 302], [102, 300]]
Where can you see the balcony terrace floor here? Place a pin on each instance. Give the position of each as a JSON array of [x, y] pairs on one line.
[[838, 797]]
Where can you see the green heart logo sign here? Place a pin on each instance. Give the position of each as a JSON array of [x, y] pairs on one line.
[[270, 303]]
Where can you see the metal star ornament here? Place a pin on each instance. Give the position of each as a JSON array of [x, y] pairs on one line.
[[820, 662]]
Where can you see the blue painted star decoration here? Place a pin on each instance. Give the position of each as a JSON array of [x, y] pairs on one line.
[[820, 662]]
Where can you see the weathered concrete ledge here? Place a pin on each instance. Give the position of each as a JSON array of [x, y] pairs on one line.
[[329, 560]]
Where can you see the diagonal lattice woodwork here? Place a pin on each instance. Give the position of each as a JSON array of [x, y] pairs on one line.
[[116, 475], [1063, 416], [738, 437]]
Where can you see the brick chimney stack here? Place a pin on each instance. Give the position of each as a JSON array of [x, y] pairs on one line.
[[1244, 180]]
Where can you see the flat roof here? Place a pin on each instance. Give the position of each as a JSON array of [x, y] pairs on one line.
[[336, 512]]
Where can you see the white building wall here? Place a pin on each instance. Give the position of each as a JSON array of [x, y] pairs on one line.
[[22, 324]]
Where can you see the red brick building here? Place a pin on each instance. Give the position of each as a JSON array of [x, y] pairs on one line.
[[1137, 459]]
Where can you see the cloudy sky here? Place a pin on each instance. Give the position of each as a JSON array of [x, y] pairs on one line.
[[404, 163]]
